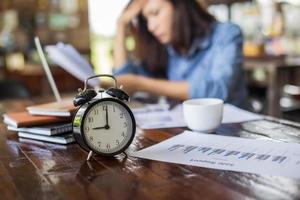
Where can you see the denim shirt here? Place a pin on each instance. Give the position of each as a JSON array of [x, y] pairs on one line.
[[212, 67]]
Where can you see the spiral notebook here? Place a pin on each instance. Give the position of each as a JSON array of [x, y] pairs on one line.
[[60, 139], [51, 129]]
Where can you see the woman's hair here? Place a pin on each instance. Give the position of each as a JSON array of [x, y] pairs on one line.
[[190, 21]]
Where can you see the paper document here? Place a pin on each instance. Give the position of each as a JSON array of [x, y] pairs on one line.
[[227, 153], [153, 116], [70, 60], [233, 114], [159, 119], [159, 116], [151, 108]]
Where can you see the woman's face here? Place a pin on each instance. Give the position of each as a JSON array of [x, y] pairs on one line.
[[159, 15]]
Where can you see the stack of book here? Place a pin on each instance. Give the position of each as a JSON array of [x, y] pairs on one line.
[[50, 122]]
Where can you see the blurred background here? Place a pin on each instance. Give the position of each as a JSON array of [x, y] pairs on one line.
[[271, 48]]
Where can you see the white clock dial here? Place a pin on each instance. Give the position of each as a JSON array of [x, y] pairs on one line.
[[108, 127]]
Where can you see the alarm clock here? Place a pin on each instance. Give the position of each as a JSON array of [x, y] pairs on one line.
[[103, 125]]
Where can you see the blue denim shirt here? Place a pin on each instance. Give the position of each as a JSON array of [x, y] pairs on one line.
[[212, 67]]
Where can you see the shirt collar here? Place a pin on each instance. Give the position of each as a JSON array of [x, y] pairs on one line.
[[198, 44]]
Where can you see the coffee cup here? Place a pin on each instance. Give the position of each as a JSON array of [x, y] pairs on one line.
[[204, 114]]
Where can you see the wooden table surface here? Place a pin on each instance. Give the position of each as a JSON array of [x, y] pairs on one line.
[[38, 170]]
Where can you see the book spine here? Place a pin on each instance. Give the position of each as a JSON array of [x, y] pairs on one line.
[[62, 129]]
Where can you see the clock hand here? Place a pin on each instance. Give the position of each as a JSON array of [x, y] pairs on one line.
[[106, 116], [102, 127]]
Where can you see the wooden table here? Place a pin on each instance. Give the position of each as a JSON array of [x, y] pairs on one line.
[[39, 170]]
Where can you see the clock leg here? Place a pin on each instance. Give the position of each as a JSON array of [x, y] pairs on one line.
[[89, 156], [125, 154]]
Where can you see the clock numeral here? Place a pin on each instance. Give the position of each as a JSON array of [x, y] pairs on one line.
[[96, 112], [104, 107], [99, 144], [108, 146], [114, 108], [90, 119], [117, 142], [87, 129], [91, 138], [125, 124], [123, 134], [122, 115]]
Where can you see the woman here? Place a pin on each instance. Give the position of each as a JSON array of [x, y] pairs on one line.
[[181, 52]]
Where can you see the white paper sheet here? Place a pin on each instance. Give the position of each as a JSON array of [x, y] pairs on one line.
[[153, 116], [70, 60], [159, 116], [233, 114], [227, 153], [159, 119]]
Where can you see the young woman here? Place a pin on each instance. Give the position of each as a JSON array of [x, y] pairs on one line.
[[181, 52]]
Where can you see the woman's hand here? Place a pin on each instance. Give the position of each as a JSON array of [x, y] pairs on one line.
[[120, 51], [174, 89], [131, 12]]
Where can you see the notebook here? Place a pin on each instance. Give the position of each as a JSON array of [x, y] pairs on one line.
[[64, 108], [60, 139], [24, 119], [52, 129]]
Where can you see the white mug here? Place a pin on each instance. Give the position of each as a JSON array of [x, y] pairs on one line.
[[204, 114]]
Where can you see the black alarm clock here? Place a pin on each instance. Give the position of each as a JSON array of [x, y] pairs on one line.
[[103, 125]]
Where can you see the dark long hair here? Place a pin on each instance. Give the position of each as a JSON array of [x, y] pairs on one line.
[[190, 21]]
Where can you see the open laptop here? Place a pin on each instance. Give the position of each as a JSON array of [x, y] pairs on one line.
[[62, 107], [47, 69]]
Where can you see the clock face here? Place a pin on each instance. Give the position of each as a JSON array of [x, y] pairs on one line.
[[108, 127]]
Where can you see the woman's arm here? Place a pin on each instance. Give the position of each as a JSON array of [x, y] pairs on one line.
[[174, 89], [120, 51]]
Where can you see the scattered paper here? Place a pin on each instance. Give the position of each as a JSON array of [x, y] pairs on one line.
[[227, 153], [151, 108], [153, 116], [159, 116], [233, 114], [70, 60], [159, 119]]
